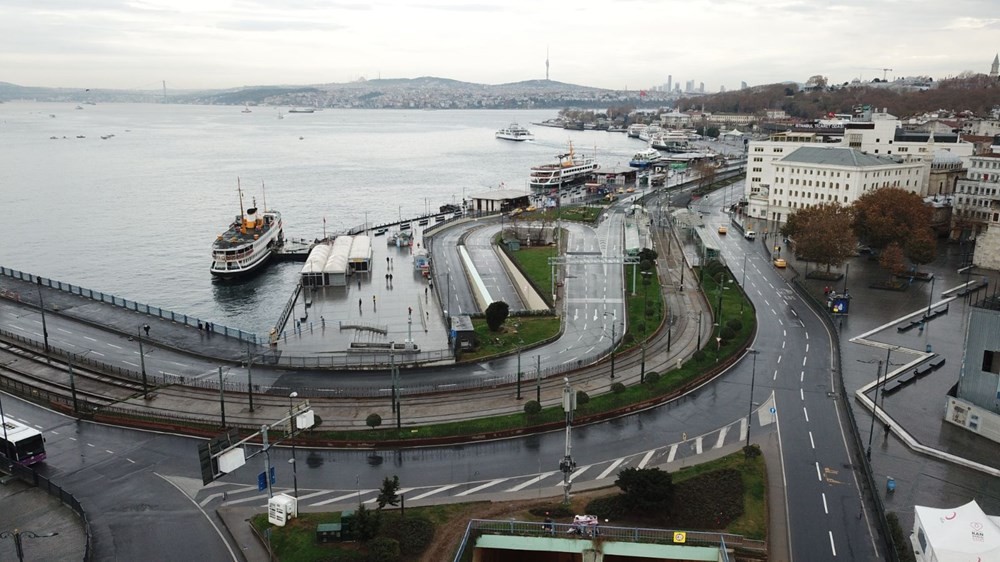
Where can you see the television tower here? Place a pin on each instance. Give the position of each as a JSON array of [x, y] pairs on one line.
[[546, 63]]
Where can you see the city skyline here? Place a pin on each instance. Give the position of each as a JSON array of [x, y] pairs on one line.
[[137, 44]]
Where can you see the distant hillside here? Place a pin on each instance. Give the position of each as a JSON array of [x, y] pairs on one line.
[[971, 93]]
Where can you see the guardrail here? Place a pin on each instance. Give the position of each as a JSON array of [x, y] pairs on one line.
[[31, 477], [128, 304]]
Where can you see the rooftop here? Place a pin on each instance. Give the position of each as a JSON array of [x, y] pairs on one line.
[[838, 156]]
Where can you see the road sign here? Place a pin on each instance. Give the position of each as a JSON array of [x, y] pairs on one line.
[[262, 482], [773, 409], [272, 476], [680, 537]]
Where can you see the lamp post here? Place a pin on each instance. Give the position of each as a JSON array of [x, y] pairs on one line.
[[291, 425], [753, 377], [72, 380], [142, 359], [520, 343], [871, 429], [930, 299], [17, 534], [41, 308], [613, 322]]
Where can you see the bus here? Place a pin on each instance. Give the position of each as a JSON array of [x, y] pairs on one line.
[[20, 443]]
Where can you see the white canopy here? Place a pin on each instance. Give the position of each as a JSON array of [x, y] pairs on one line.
[[956, 535]]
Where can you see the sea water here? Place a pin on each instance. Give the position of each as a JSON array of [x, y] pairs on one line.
[[132, 206]]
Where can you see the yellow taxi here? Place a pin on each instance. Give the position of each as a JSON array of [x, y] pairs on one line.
[[779, 263], [723, 230]]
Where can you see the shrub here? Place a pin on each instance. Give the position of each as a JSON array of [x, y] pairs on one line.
[[582, 398], [608, 507], [373, 420], [532, 408], [698, 355], [383, 549], [617, 387], [735, 325], [727, 333], [652, 377], [496, 314], [646, 489], [413, 533]]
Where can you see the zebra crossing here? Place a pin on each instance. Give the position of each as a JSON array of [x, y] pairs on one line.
[[221, 494]]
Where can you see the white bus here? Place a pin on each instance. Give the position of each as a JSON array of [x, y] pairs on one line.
[[20, 443]]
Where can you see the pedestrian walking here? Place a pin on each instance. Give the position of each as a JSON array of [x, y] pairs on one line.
[[359, 305], [374, 306]]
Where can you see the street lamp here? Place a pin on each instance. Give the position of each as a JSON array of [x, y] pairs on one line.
[[291, 426], [41, 308], [142, 358], [613, 322], [753, 377], [17, 534], [519, 344], [878, 383]]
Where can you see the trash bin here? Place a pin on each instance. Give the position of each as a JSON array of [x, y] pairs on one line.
[[890, 484], [928, 348]]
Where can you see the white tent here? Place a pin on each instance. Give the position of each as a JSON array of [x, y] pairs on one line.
[[962, 534]]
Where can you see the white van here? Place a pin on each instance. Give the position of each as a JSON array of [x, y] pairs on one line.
[[750, 235]]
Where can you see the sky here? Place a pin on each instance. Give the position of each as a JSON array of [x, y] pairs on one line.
[[616, 44]]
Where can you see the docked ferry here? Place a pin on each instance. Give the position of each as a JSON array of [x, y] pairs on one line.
[[645, 158], [514, 132], [571, 169], [248, 243]]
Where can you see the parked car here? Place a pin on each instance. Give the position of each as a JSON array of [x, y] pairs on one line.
[[779, 263], [723, 229]]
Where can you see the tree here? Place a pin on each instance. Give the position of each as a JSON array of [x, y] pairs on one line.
[[647, 254], [921, 248], [890, 215], [373, 420], [388, 495], [646, 489], [365, 524], [706, 173], [532, 408], [496, 315], [891, 259], [822, 234]]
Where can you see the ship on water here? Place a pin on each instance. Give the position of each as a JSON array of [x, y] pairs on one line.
[[248, 243], [571, 169]]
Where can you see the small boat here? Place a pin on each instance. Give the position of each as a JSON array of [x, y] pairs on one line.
[[301, 110], [246, 108], [645, 158], [248, 243], [514, 132]]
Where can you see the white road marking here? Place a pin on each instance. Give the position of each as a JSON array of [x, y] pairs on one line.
[[832, 546], [673, 452], [130, 460], [527, 483], [806, 412], [89, 338], [645, 459], [779, 359], [434, 491], [825, 510], [610, 469], [579, 471], [72, 438], [697, 445], [807, 348], [482, 487], [802, 395], [114, 346], [721, 439], [803, 361], [775, 377], [129, 363], [98, 353], [819, 475], [90, 444], [802, 375], [354, 494], [782, 344], [811, 442], [109, 452], [807, 335], [64, 331]]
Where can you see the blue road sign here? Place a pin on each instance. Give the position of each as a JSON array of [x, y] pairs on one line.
[[773, 410], [272, 476], [261, 482]]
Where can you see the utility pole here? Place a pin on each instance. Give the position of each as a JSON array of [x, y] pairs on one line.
[[753, 376], [222, 399], [518, 372], [41, 308], [538, 379], [249, 377], [871, 430], [567, 465]]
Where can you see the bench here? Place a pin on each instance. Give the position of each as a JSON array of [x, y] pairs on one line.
[[891, 387], [906, 379], [935, 365]]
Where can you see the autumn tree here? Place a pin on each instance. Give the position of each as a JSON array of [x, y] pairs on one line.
[[891, 259], [822, 234], [921, 247], [890, 215]]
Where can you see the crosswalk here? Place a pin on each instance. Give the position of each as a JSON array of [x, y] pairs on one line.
[[684, 451]]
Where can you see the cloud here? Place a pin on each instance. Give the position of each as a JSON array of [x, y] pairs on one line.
[[965, 23]]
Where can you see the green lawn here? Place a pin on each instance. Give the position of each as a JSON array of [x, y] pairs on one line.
[[534, 262], [517, 331]]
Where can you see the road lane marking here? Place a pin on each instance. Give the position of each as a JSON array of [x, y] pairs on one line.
[[807, 348], [114, 346], [527, 483], [211, 522], [578, 472], [803, 361], [130, 363], [807, 335], [482, 487], [645, 459], [775, 377], [806, 412], [610, 469], [819, 476], [434, 491], [697, 446], [832, 546], [109, 451], [802, 395], [98, 353], [64, 331], [802, 375], [89, 338], [779, 359], [130, 460], [825, 510], [811, 442], [354, 494], [721, 439], [673, 452]]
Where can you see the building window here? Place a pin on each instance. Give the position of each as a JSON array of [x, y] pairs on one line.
[[991, 362]]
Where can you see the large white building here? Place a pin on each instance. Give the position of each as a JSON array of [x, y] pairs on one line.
[[895, 155], [977, 197], [817, 174]]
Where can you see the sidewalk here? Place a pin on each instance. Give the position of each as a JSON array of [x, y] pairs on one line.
[[31, 510]]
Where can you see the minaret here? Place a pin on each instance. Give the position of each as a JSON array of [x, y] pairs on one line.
[[994, 70], [547, 64]]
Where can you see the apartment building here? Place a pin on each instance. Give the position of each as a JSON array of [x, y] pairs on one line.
[[977, 200]]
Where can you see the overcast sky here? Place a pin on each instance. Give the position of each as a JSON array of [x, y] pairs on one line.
[[134, 44]]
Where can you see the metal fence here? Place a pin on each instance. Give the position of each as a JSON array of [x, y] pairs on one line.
[[478, 527], [33, 478], [130, 305]]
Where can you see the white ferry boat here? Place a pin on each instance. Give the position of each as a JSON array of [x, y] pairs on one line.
[[635, 129], [645, 158], [248, 243], [514, 132], [649, 132], [671, 141], [571, 169]]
